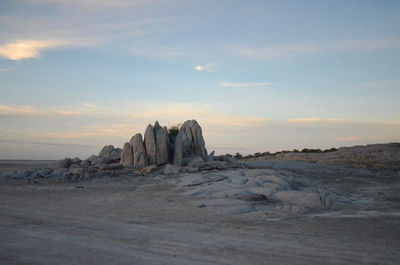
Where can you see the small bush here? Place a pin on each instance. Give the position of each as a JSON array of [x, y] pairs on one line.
[[173, 130], [238, 156]]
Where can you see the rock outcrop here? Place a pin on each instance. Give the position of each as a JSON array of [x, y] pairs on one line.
[[156, 141], [108, 155], [157, 149], [138, 151], [189, 143], [127, 155]]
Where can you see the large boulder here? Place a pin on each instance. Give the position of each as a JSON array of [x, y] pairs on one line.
[[108, 155], [139, 155], [189, 143], [157, 144], [127, 155]]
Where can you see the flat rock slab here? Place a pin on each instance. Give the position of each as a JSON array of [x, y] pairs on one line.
[[192, 180]]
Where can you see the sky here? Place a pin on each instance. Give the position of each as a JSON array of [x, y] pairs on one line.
[[257, 75]]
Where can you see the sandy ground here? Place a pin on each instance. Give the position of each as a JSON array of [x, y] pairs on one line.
[[148, 220]]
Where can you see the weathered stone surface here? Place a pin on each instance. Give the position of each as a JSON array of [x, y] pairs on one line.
[[210, 157], [23, 174], [150, 144], [64, 163], [42, 173], [149, 169], [156, 141], [196, 162], [162, 142], [106, 151], [127, 155], [139, 155], [116, 154], [108, 155], [189, 143], [76, 160], [170, 170], [114, 166]]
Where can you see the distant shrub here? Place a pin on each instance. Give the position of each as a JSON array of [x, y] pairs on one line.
[[306, 150], [330, 150], [238, 156], [173, 130], [258, 154], [229, 155]]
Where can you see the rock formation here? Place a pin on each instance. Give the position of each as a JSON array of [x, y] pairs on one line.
[[157, 149], [189, 143], [127, 155], [156, 141], [138, 151]]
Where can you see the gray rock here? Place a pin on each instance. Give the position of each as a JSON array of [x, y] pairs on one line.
[[23, 174], [162, 142], [58, 173], [150, 144], [114, 166], [91, 158], [226, 158], [210, 157], [139, 155], [76, 160], [108, 155], [170, 170], [196, 162], [116, 154], [127, 155], [149, 169], [106, 151], [65, 163], [192, 180], [189, 143], [43, 173], [75, 170], [156, 141]]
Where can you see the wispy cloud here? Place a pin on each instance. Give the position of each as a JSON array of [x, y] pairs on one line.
[[230, 84], [206, 67], [25, 49], [2, 70], [30, 111], [100, 3], [69, 113], [163, 52], [310, 120], [285, 50], [43, 143], [347, 139]]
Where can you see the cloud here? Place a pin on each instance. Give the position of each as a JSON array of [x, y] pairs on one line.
[[99, 3], [285, 50], [206, 67], [247, 122], [43, 143], [310, 120], [2, 70], [347, 139], [24, 49], [17, 111], [30, 111], [261, 84], [69, 113], [163, 52]]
